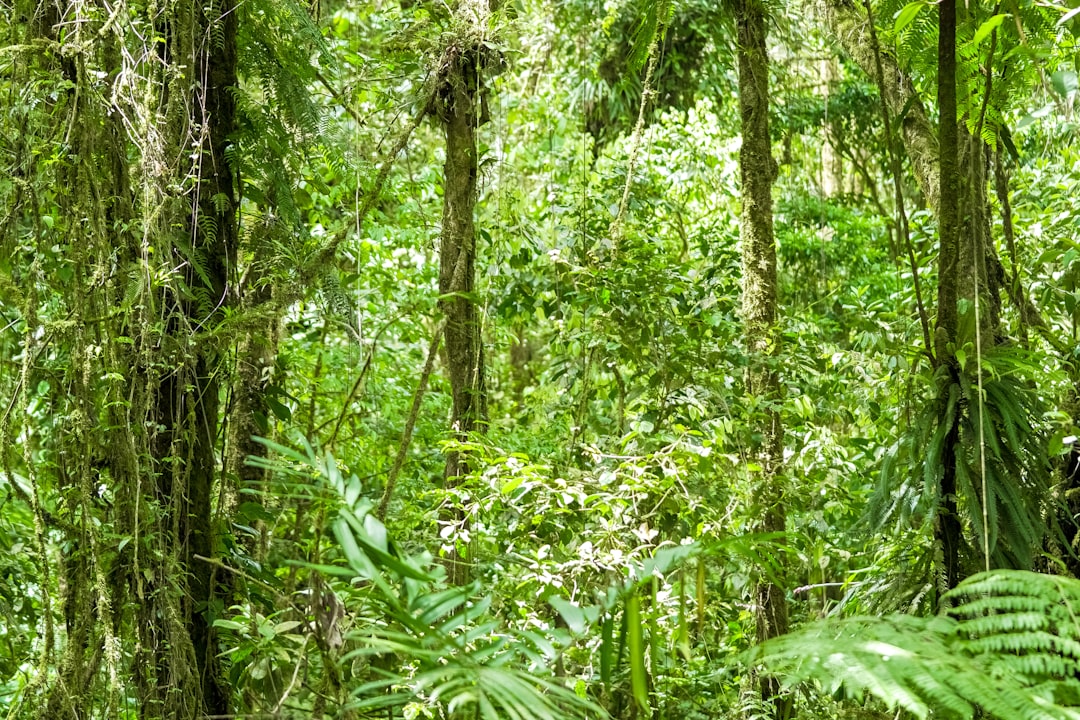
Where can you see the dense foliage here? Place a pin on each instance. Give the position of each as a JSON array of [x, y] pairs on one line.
[[522, 359]]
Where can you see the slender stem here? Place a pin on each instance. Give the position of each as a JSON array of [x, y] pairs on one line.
[[639, 128], [410, 422], [948, 531], [898, 185], [948, 146]]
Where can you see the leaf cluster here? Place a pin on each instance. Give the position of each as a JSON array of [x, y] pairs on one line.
[[1008, 648]]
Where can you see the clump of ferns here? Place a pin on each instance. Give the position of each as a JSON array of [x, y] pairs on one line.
[[1032, 26], [1007, 647], [1003, 470]]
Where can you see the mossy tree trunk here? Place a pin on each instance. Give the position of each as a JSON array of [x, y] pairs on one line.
[[219, 241], [141, 393], [757, 170], [94, 176], [977, 277], [81, 597], [187, 407], [850, 26], [969, 267], [249, 413], [458, 107], [947, 528]]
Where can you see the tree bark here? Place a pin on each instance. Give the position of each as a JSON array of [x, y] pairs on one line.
[[952, 172], [217, 199], [458, 106], [188, 407], [249, 414], [921, 145], [851, 28], [757, 170], [947, 527], [903, 230]]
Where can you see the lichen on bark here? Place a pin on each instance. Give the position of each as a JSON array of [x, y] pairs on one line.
[[757, 171]]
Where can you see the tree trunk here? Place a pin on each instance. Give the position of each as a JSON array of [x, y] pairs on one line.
[[850, 26], [947, 529], [832, 161], [976, 274], [759, 308], [851, 29], [249, 413], [217, 200], [188, 407], [952, 172], [458, 105]]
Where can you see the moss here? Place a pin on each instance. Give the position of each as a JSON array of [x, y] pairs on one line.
[[757, 170]]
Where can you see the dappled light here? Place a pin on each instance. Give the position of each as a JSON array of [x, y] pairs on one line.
[[526, 360]]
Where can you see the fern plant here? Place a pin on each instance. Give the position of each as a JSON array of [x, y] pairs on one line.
[[1008, 648], [1002, 467], [421, 641], [1014, 37]]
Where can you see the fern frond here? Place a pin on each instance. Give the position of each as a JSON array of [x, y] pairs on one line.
[[1003, 472], [1010, 648], [454, 655]]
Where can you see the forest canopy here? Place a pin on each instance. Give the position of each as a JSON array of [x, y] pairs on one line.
[[539, 359]]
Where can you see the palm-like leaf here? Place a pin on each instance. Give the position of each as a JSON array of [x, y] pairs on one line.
[[1010, 648], [445, 647], [1001, 462]]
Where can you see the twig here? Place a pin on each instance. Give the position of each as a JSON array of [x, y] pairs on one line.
[[410, 422], [295, 675]]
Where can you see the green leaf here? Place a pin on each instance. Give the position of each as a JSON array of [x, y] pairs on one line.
[[260, 669], [1056, 444], [352, 492], [350, 547], [512, 484], [280, 410], [228, 624], [1065, 82], [666, 558], [308, 460], [1007, 141], [254, 511], [335, 570], [906, 15], [437, 605], [987, 27], [682, 636], [372, 536], [639, 683], [654, 626], [643, 38], [606, 650], [571, 613]]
